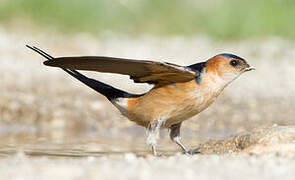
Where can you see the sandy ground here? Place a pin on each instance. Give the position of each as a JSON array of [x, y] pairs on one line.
[[128, 166], [51, 125]]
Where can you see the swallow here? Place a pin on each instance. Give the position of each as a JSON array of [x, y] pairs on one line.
[[179, 92]]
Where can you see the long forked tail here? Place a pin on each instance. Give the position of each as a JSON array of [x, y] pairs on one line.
[[104, 89]]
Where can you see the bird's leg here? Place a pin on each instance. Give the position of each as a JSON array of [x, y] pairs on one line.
[[153, 132], [175, 137]]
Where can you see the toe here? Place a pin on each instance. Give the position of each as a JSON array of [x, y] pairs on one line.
[[196, 151]]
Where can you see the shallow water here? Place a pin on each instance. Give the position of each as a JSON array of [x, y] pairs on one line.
[[61, 144]]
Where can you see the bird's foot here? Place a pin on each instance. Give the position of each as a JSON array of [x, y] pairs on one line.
[[191, 152], [195, 151], [154, 150], [187, 152]]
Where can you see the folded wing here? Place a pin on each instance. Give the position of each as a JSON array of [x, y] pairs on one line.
[[141, 71]]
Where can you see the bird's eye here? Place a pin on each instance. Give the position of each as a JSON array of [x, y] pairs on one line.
[[233, 62]]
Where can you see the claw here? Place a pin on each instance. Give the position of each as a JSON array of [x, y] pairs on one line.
[[195, 151], [187, 152]]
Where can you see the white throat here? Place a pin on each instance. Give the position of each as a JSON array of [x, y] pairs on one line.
[[220, 82]]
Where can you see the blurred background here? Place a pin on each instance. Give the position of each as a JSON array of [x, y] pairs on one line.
[[44, 108], [220, 19]]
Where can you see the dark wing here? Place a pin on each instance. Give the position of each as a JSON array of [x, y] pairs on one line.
[[141, 71]]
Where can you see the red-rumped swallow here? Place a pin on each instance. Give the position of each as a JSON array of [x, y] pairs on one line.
[[179, 92]]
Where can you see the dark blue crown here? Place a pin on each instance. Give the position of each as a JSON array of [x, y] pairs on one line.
[[227, 55]]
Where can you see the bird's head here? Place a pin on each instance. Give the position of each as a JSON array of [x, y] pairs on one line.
[[227, 67]]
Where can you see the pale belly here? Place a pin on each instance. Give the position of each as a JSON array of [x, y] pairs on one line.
[[171, 104], [185, 111]]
